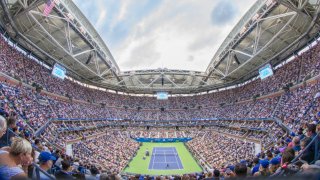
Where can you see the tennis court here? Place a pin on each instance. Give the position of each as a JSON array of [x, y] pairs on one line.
[[165, 158], [140, 164]]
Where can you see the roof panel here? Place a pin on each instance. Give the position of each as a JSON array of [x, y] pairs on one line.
[[77, 45]]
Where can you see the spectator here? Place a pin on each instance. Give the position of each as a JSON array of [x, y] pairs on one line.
[[64, 173], [300, 133], [240, 170], [274, 165], [263, 169], [58, 162], [56, 154], [46, 161], [256, 166], [269, 155], [37, 144], [286, 168], [3, 126], [216, 174], [5, 140], [95, 174], [287, 156], [209, 176], [104, 176], [311, 130], [296, 144], [308, 153], [19, 154]]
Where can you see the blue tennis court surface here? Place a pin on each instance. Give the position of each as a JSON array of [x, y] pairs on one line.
[[165, 158]]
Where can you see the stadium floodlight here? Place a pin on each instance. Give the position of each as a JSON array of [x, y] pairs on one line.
[[236, 59], [89, 58]]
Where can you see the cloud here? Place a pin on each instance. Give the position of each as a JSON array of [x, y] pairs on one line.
[[101, 19], [171, 29], [223, 12], [145, 54], [123, 11], [170, 34], [204, 40], [190, 58]]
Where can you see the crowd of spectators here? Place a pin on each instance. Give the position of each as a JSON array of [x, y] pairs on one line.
[[36, 108], [21, 66], [111, 151], [62, 132], [296, 106], [100, 148], [98, 152], [236, 157], [217, 149], [26, 104]]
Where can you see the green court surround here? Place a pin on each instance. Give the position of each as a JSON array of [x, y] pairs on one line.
[[140, 166]]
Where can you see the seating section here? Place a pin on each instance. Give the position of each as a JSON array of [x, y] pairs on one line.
[[110, 151], [217, 150], [225, 125]]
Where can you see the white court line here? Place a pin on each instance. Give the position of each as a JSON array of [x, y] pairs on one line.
[[165, 151], [165, 157], [172, 150], [154, 149], [177, 159]]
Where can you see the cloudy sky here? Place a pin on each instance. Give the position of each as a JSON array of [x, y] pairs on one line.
[[174, 34]]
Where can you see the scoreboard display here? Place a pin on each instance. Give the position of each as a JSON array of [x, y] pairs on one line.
[[265, 71], [59, 71], [162, 95]]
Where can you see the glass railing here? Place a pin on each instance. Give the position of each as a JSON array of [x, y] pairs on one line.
[[38, 170], [314, 142], [6, 141]]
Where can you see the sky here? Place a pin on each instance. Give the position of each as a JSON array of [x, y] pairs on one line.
[[173, 34]]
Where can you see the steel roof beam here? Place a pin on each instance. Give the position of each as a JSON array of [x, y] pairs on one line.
[[15, 29], [88, 36], [27, 7], [62, 48], [170, 80], [236, 35], [292, 14]]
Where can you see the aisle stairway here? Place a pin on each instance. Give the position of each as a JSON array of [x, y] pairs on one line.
[[281, 102]]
